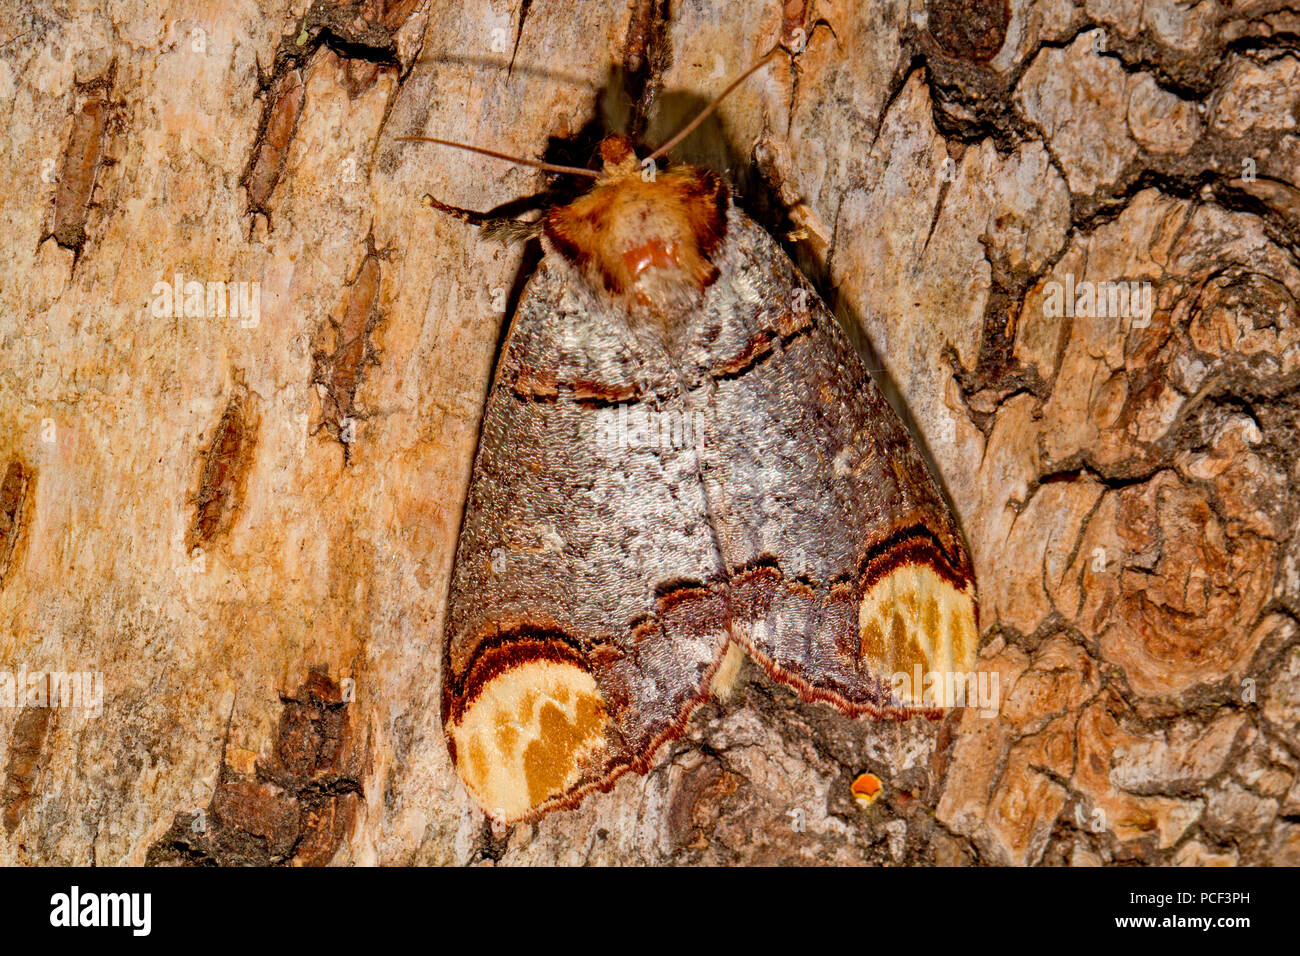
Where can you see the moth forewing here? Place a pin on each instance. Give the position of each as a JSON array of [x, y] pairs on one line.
[[604, 568]]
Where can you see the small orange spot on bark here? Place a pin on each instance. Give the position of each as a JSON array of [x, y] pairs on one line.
[[866, 788]]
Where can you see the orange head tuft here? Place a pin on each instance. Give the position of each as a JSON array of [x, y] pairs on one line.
[[644, 236]]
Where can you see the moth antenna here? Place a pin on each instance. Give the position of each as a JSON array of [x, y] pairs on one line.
[[704, 113], [523, 161]]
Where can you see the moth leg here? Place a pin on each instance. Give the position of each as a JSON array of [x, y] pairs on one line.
[[504, 229]]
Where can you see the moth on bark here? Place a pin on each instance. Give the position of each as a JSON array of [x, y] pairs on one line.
[[681, 457]]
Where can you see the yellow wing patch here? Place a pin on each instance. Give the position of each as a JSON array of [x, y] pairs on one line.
[[528, 735], [913, 618]]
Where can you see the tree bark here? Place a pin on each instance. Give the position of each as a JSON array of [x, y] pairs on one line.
[[245, 523]]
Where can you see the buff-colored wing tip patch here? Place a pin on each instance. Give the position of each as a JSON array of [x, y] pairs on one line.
[[529, 735], [915, 624]]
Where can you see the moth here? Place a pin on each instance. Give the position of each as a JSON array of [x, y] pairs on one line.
[[608, 577]]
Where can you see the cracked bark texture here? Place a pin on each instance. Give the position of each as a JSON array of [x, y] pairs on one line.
[[247, 527]]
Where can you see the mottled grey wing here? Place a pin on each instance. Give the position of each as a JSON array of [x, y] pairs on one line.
[[585, 612], [848, 577], [636, 506]]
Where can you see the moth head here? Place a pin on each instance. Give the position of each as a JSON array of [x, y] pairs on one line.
[[643, 236]]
